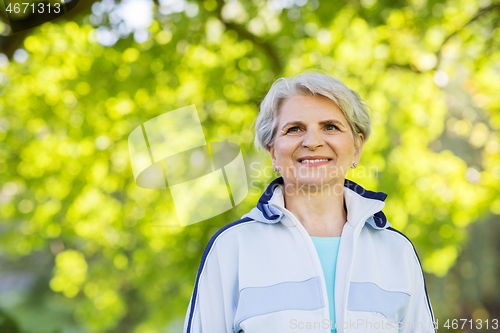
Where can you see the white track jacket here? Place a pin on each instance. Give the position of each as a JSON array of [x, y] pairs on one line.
[[262, 274]]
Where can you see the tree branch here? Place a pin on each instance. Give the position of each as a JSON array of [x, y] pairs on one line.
[[245, 34], [9, 44], [479, 13]]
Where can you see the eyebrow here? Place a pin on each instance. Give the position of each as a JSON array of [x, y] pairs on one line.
[[324, 122]]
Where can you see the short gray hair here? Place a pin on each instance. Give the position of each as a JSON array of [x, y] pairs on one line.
[[312, 82]]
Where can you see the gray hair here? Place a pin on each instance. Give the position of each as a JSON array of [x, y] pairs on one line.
[[312, 82]]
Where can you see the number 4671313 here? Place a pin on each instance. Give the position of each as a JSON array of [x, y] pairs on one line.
[[33, 8], [464, 323]]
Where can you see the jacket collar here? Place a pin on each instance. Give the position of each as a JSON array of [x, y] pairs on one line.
[[359, 201]]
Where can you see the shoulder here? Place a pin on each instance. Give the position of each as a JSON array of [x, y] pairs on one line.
[[230, 228], [228, 232], [403, 243], [399, 237], [386, 234], [241, 233], [222, 244], [246, 239], [391, 242]]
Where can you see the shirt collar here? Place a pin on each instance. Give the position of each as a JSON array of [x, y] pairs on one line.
[[360, 203]]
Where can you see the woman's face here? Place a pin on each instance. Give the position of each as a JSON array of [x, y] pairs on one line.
[[314, 144]]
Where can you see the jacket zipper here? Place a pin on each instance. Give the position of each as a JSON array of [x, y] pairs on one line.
[[357, 231], [316, 258]]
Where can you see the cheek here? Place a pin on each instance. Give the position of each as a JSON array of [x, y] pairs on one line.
[[344, 147], [282, 148]]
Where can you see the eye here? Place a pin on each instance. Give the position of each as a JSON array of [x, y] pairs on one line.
[[331, 127], [293, 129]]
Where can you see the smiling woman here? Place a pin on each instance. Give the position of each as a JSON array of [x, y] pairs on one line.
[[317, 253], [314, 124], [313, 150]]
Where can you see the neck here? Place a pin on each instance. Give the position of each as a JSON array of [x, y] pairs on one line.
[[320, 210]]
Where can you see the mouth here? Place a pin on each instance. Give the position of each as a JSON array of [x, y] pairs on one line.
[[309, 160]]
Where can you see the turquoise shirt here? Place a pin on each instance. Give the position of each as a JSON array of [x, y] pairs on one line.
[[328, 249]]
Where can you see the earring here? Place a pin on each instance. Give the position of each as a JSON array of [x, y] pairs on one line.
[[275, 169], [354, 165]]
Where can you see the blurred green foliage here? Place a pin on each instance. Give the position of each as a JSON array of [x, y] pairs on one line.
[[110, 258]]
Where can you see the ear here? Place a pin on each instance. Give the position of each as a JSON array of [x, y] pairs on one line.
[[358, 147], [270, 149]]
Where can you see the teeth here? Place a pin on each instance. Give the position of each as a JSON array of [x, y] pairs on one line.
[[312, 161]]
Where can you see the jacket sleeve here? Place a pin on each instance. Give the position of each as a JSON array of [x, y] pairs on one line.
[[418, 317], [212, 307]]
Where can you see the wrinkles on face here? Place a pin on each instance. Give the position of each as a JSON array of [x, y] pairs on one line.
[[315, 144]]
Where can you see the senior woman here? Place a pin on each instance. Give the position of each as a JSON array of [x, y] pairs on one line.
[[316, 254]]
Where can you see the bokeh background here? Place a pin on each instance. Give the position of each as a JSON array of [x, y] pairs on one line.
[[84, 249]]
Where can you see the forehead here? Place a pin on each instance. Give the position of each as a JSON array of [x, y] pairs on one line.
[[310, 108]]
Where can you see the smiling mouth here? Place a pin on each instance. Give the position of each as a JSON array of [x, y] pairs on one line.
[[314, 161]]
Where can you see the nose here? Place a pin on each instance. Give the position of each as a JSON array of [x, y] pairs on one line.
[[312, 140]]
